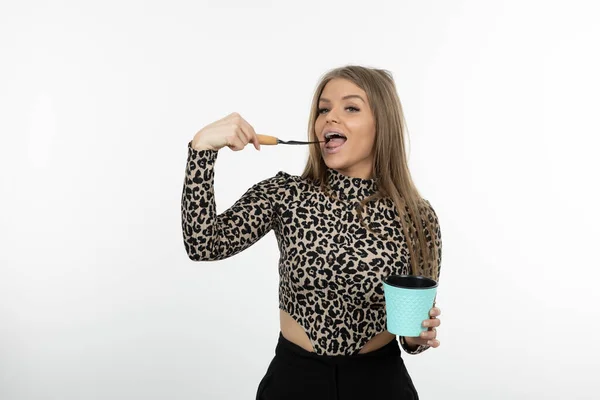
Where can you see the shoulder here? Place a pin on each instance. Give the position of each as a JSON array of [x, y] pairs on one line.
[[284, 185], [285, 178], [425, 206], [278, 181], [429, 214], [427, 210]]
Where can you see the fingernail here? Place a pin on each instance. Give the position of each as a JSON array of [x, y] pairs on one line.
[[430, 342]]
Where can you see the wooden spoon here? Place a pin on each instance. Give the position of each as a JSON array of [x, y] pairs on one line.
[[272, 140]]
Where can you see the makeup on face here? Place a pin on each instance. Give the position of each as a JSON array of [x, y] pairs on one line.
[[346, 124]]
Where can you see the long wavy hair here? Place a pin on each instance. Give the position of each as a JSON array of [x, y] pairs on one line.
[[390, 167]]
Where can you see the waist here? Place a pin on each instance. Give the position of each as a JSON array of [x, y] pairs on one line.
[[286, 347]]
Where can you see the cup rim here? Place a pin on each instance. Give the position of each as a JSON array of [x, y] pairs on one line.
[[420, 277]]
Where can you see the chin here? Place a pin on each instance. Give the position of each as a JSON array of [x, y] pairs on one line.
[[334, 162]]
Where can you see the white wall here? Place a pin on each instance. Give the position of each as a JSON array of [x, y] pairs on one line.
[[98, 299]]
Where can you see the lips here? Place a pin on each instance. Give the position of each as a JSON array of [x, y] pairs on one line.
[[333, 143], [334, 138]]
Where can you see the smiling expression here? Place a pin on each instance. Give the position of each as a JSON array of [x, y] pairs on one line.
[[346, 123]]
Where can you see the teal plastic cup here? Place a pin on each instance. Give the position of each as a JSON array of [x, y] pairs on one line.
[[408, 299]]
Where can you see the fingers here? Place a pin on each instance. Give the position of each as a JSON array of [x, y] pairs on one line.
[[239, 139], [431, 323], [236, 142], [426, 339], [250, 133], [429, 335], [428, 342], [244, 133]]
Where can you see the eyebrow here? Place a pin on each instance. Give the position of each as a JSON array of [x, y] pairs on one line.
[[344, 98]]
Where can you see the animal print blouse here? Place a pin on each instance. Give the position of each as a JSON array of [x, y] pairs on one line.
[[331, 268]]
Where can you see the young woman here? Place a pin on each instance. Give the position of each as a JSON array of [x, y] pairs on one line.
[[353, 217]]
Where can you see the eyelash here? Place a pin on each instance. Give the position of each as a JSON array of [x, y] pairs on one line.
[[320, 110]]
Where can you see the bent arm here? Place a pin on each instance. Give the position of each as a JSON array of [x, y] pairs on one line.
[[208, 236], [407, 343]]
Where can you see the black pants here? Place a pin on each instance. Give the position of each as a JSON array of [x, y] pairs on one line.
[[295, 373]]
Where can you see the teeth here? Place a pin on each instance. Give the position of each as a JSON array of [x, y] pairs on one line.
[[329, 135]]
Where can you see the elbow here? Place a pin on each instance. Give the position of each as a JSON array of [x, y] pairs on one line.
[[204, 257], [193, 252], [194, 248], [205, 248], [194, 256]]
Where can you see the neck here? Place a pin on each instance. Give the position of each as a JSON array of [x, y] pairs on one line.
[[361, 171], [361, 174], [349, 186]]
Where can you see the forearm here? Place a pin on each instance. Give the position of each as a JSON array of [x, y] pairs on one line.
[[198, 209], [412, 345], [209, 236]]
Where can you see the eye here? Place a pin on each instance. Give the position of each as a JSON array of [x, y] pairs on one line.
[[351, 108]]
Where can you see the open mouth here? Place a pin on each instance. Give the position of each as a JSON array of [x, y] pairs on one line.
[[334, 139]]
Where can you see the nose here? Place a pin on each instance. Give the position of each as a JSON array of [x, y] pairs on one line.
[[332, 116]]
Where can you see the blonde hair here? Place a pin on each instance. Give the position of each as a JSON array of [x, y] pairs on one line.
[[390, 167]]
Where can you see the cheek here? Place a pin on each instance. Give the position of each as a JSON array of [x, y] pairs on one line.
[[362, 147], [365, 127], [367, 145], [370, 135], [318, 125], [367, 138]]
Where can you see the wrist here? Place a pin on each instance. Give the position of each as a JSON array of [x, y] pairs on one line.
[[198, 146]]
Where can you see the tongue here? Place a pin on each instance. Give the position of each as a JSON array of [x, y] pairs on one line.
[[336, 142]]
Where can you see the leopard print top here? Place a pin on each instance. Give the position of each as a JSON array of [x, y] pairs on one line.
[[330, 267]]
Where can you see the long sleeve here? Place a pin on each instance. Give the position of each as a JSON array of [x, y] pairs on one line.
[[208, 236], [435, 236]]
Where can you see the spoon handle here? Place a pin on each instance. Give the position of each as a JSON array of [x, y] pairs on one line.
[[272, 140], [267, 140]]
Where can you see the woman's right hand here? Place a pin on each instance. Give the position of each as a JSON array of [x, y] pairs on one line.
[[232, 131]]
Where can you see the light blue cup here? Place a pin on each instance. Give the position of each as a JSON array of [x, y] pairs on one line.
[[408, 299]]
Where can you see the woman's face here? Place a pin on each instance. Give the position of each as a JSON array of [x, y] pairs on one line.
[[344, 108]]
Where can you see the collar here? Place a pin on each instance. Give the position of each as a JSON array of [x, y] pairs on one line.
[[350, 187]]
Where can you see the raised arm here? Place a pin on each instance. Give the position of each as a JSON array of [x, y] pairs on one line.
[[208, 236]]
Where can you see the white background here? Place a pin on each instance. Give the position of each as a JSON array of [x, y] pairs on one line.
[[98, 100]]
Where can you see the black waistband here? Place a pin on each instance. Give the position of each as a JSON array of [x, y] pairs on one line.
[[285, 346]]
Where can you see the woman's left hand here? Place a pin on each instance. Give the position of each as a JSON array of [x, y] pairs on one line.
[[428, 337]]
